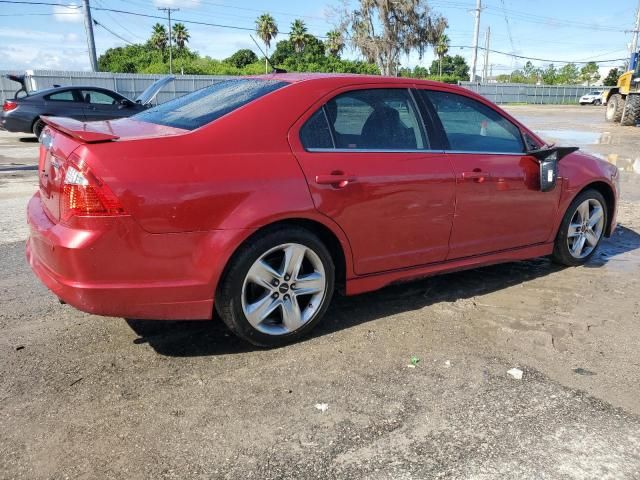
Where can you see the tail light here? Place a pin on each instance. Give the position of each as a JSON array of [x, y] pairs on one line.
[[9, 105], [83, 194]]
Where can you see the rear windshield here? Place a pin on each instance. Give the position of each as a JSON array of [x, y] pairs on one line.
[[208, 104]]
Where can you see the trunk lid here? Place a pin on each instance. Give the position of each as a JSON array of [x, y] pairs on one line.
[[62, 137], [146, 97]]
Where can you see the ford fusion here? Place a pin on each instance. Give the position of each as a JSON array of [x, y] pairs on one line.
[[260, 197]]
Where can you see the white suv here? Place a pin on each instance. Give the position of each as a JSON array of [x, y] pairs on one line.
[[594, 98]]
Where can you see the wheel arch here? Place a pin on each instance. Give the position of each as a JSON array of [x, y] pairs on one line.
[[607, 192], [335, 242]]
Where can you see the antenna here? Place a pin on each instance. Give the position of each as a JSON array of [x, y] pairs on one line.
[[274, 68]]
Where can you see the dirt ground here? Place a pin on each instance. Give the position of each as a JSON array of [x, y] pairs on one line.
[[90, 397]]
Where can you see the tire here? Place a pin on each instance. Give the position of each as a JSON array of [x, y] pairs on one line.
[[260, 305], [615, 107], [574, 229], [38, 125], [631, 113], [597, 102]]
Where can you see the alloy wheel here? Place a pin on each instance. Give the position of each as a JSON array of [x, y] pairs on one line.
[[284, 289], [586, 228]]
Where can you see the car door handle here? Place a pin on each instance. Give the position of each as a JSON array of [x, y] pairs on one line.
[[476, 175], [337, 180]]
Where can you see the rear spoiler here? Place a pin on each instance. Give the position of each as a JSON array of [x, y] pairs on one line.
[[86, 132]]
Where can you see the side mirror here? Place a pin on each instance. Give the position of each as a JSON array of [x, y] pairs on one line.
[[125, 103], [548, 158]]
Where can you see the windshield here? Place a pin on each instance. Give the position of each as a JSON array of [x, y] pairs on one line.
[[208, 104]]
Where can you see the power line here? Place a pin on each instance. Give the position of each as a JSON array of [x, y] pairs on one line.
[[96, 22]]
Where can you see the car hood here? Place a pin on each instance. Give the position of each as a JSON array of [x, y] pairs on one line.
[[146, 97]]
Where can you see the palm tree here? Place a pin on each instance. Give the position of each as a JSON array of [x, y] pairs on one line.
[[159, 37], [441, 49], [180, 34], [267, 30], [334, 43], [298, 35]]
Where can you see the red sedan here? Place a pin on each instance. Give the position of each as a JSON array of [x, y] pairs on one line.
[[261, 196]]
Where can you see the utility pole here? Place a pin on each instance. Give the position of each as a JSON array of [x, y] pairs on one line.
[[485, 73], [476, 34], [169, 10], [88, 26], [634, 40]]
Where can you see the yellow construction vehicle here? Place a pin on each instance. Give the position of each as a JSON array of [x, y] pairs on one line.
[[623, 100]]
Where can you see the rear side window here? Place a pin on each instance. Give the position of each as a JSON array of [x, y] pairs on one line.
[[66, 96], [471, 126], [316, 133], [208, 104], [376, 119]]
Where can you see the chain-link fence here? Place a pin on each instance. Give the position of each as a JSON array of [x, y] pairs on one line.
[[531, 94]]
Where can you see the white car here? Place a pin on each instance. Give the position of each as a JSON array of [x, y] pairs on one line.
[[593, 98]]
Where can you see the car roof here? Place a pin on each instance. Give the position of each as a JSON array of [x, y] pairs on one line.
[[347, 78], [47, 91]]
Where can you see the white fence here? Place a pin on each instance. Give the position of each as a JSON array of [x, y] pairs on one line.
[[535, 94], [132, 84], [128, 84]]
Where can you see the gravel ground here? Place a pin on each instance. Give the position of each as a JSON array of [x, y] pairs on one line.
[[91, 397]]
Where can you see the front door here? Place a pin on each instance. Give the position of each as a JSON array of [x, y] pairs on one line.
[[101, 105], [499, 204], [367, 160]]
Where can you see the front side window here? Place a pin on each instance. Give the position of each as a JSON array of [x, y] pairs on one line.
[[471, 126], [208, 104], [377, 119], [96, 97]]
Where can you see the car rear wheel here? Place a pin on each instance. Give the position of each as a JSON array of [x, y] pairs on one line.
[[597, 102], [38, 125], [277, 287], [581, 230], [615, 107]]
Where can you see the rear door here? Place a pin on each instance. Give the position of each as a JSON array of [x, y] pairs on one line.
[[369, 165], [498, 201], [102, 105], [65, 103]]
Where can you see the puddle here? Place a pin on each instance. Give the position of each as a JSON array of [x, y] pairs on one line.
[[579, 137]]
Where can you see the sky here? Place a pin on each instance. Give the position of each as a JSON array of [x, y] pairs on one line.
[[53, 37]]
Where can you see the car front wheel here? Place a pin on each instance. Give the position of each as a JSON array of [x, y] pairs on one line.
[[581, 230], [277, 287]]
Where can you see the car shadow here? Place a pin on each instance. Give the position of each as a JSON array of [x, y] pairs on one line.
[[28, 139], [205, 338]]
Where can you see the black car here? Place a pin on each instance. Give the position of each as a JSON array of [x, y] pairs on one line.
[[22, 113]]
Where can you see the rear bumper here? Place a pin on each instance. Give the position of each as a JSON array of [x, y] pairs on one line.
[[118, 269], [15, 123]]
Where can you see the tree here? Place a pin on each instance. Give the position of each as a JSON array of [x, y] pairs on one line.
[[530, 72], [450, 66], [180, 34], [550, 74], [159, 37], [267, 30], [441, 49], [611, 80], [589, 73], [298, 35], [334, 43], [242, 58], [382, 30], [568, 74]]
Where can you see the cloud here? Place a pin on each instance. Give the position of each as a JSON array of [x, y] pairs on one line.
[[71, 13], [177, 3], [22, 57]]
